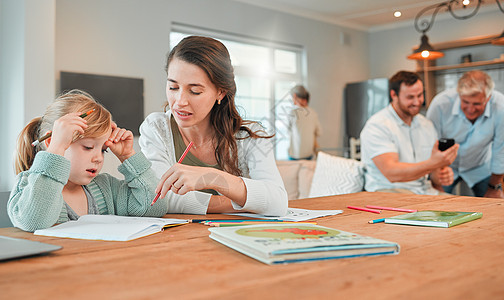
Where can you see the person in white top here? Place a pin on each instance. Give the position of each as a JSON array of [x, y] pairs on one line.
[[303, 126], [231, 157], [399, 146]]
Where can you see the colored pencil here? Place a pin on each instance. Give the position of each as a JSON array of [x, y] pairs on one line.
[[233, 220], [179, 161], [48, 135], [365, 209], [376, 221], [246, 224], [391, 208], [254, 222]]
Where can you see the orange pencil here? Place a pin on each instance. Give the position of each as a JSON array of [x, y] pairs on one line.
[[48, 135], [179, 161]]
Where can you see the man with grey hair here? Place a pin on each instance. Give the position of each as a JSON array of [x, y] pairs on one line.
[[473, 114], [303, 125]]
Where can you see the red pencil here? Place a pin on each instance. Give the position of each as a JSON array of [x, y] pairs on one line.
[[365, 209], [179, 161]]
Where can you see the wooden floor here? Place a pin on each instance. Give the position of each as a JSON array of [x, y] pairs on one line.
[[462, 262]]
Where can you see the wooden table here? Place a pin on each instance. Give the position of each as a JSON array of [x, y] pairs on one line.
[[462, 262]]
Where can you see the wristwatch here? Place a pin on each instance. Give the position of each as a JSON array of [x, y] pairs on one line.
[[495, 187]]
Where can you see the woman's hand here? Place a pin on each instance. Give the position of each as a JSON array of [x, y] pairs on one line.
[[64, 131], [181, 179], [120, 143]]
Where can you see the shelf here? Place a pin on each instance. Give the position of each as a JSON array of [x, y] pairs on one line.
[[467, 42], [466, 65], [429, 70]]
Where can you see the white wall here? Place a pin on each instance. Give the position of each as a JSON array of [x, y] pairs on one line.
[[131, 38], [26, 73], [11, 84], [388, 48]]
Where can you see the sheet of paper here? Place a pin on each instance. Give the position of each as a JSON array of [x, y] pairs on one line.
[[294, 214]]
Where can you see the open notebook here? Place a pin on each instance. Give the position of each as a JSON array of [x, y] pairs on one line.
[[109, 227]]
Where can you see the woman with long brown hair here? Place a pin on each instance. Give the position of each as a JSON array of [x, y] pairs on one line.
[[231, 166]]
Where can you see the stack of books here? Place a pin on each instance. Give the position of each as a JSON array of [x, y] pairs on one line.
[[286, 243]]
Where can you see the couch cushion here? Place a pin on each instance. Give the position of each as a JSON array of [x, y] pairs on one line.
[[289, 171], [336, 175]]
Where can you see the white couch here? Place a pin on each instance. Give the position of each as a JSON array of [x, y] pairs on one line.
[[297, 176], [328, 175]]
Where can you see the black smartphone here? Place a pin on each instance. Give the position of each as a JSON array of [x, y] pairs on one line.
[[445, 143]]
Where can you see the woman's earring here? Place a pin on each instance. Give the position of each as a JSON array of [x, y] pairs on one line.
[[218, 101]]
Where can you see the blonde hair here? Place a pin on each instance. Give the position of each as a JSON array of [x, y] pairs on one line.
[[99, 122], [475, 81]]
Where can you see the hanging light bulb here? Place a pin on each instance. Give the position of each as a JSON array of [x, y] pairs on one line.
[[425, 51]]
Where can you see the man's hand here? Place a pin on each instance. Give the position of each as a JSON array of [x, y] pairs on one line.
[[443, 176], [491, 193], [440, 177], [443, 158], [495, 179]]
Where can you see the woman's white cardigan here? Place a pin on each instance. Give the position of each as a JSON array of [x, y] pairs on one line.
[[265, 189]]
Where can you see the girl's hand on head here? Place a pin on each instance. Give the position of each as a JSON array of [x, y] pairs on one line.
[[181, 179], [64, 130], [120, 142]]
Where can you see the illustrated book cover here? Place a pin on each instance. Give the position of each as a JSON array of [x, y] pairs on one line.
[[434, 218], [109, 227], [287, 243]]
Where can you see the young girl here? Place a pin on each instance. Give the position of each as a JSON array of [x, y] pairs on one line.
[[58, 179]]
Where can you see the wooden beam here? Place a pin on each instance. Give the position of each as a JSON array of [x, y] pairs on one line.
[[467, 65], [472, 41]]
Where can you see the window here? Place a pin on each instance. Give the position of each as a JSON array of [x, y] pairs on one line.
[[264, 74]]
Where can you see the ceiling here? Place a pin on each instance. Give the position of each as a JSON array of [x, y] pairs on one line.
[[361, 14]]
